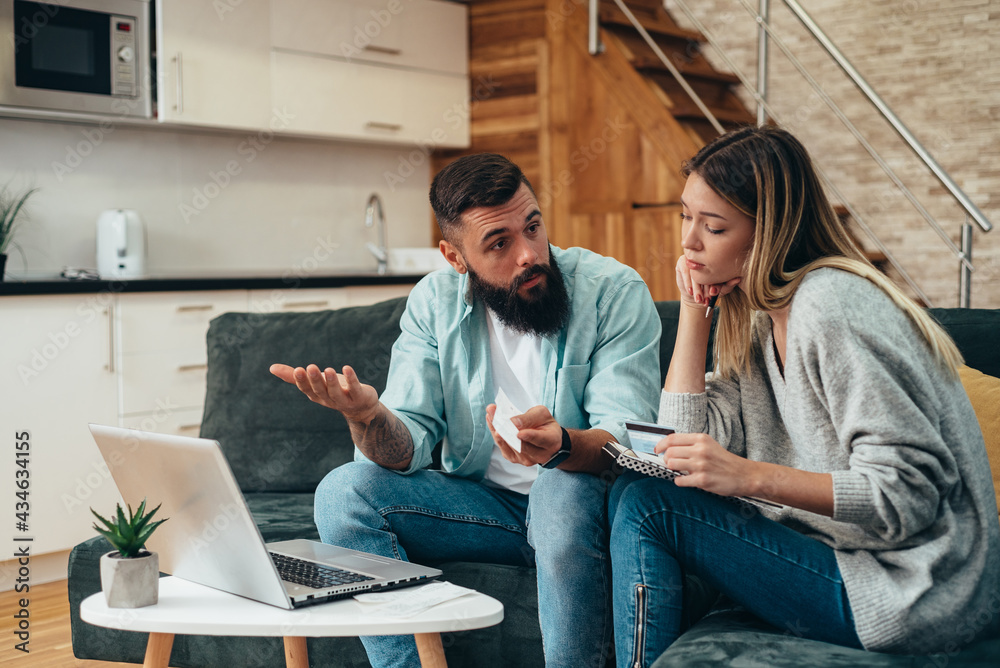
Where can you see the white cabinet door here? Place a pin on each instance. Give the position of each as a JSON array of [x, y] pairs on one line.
[[57, 359], [415, 34], [164, 360], [213, 64], [324, 96]]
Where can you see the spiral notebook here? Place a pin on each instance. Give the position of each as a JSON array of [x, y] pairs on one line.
[[642, 459]]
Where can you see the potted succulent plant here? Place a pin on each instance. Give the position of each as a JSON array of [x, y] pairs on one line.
[[129, 574], [11, 208]]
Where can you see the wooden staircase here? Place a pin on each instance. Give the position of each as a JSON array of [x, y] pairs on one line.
[[601, 138], [684, 50]]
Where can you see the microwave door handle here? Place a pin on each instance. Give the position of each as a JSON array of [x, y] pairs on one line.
[[179, 103]]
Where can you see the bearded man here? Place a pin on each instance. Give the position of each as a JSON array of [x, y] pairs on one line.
[[569, 335]]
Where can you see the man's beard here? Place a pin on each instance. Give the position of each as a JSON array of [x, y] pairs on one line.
[[545, 310]]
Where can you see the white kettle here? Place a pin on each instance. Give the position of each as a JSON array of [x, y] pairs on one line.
[[121, 244]]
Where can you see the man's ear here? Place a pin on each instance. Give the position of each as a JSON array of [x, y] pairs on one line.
[[453, 256]]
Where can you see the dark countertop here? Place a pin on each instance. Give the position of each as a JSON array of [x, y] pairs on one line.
[[60, 286]]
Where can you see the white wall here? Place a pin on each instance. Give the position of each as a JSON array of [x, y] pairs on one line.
[[286, 202]]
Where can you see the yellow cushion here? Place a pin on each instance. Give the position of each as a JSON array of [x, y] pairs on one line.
[[984, 393]]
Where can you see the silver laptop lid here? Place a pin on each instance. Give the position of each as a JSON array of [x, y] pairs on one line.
[[211, 537]]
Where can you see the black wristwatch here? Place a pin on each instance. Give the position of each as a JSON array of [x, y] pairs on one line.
[[563, 454]]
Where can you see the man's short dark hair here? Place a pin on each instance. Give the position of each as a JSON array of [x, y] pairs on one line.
[[483, 179]]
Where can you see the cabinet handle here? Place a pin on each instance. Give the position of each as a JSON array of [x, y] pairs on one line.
[[382, 49], [111, 337], [192, 367], [179, 102], [189, 427], [318, 304], [377, 125], [194, 307]]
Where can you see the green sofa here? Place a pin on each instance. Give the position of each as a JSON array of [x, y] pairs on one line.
[[280, 446]]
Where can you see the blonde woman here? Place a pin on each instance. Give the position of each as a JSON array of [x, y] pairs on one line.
[[834, 395]]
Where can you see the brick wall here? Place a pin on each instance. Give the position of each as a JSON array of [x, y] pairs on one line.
[[937, 66]]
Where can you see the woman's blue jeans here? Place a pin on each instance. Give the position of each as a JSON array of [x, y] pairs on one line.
[[428, 517], [661, 532]]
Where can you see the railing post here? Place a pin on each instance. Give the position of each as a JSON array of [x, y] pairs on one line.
[[964, 271], [763, 16], [593, 36]]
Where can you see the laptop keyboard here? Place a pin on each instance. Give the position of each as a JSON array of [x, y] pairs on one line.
[[311, 574]]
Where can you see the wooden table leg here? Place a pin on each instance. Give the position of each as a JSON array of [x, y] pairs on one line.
[[296, 653], [158, 650], [431, 650]]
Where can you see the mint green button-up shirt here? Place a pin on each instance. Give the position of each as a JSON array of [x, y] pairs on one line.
[[601, 369]]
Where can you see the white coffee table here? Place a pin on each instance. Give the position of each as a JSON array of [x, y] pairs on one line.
[[188, 608]]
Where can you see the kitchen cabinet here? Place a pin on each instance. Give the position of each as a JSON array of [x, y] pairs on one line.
[[274, 301], [364, 295], [376, 70], [415, 34], [163, 362], [284, 301], [327, 97], [385, 71], [58, 359], [213, 63]]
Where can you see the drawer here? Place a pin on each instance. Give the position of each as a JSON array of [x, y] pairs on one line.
[[373, 294], [165, 381], [179, 423], [285, 301], [172, 320]]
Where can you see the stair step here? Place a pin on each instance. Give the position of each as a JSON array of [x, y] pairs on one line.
[[643, 58], [612, 15], [686, 109], [653, 64]]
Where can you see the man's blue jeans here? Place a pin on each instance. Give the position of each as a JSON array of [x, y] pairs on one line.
[[661, 532], [429, 517]]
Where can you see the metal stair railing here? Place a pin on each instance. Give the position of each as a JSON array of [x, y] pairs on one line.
[[759, 92]]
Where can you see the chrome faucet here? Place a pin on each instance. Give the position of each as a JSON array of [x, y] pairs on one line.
[[381, 252]]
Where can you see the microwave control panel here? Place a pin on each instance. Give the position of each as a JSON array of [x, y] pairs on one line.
[[124, 77]]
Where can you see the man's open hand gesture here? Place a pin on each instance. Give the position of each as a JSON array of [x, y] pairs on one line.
[[341, 392]]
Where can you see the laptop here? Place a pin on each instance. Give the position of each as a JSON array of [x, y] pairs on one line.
[[212, 539]]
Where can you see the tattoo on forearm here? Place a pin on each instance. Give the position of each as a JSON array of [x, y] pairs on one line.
[[386, 441]]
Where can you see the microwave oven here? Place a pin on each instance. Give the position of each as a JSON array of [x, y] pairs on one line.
[[89, 56]]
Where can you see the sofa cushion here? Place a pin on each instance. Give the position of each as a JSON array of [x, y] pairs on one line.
[[734, 637], [283, 515], [274, 438], [984, 394]]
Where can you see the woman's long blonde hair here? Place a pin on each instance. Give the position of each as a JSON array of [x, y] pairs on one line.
[[767, 174]]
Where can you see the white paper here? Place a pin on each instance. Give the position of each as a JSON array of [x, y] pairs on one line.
[[410, 601], [501, 421]]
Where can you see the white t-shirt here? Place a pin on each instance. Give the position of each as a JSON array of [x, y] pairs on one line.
[[517, 363]]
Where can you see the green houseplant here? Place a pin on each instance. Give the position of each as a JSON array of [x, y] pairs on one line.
[[11, 208], [129, 573]]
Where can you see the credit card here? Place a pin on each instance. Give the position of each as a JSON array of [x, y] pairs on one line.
[[644, 435]]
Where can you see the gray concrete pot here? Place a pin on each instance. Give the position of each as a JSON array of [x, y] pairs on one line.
[[130, 582]]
